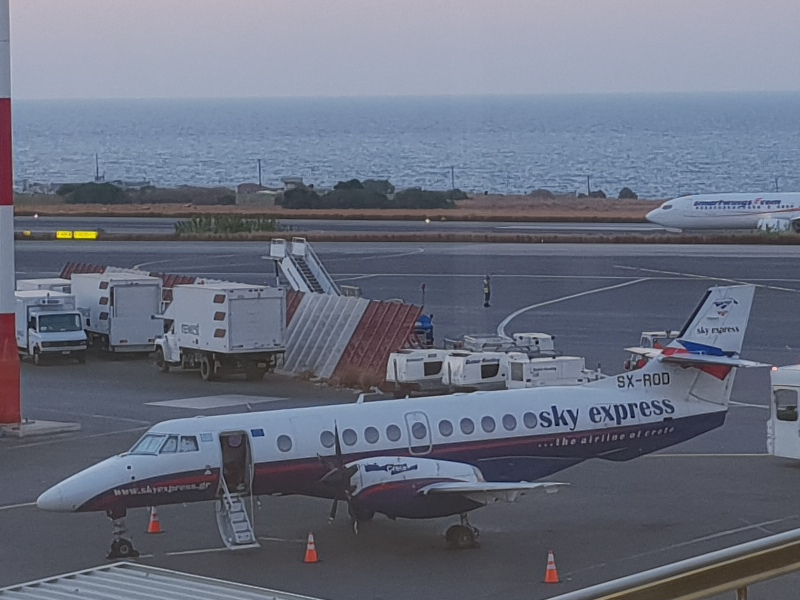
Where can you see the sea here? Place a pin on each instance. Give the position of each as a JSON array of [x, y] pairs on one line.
[[660, 146]]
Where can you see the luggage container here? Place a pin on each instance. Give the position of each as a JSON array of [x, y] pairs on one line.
[[223, 328], [415, 371], [525, 372], [118, 310], [471, 371]]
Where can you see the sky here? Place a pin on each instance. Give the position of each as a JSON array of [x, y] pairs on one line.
[[267, 48]]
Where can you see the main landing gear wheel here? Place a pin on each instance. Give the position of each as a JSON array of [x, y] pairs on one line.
[[463, 536]]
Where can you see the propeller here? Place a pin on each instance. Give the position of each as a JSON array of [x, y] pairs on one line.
[[338, 477]]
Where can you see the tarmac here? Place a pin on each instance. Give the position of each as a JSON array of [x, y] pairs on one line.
[[614, 519]]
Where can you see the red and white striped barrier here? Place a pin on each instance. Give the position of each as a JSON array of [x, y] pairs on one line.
[[10, 411]]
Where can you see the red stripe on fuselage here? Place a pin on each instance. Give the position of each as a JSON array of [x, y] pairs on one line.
[[6, 155]]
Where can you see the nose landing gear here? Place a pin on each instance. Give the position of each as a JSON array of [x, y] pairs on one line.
[[121, 547], [463, 536]]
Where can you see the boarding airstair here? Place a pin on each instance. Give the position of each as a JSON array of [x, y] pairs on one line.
[[233, 521], [301, 267]]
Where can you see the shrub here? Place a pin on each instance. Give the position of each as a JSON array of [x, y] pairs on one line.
[[456, 194], [597, 194], [627, 193], [418, 198], [299, 198], [353, 198], [352, 184], [97, 193], [380, 186]]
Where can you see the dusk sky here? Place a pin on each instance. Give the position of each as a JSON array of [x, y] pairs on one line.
[[247, 48]]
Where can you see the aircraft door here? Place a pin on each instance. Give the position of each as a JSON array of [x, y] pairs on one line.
[[784, 427], [419, 433], [237, 462]]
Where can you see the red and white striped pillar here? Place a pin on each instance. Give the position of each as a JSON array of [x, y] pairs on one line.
[[10, 410]]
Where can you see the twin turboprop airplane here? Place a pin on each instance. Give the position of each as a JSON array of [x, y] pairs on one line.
[[765, 212], [424, 457]]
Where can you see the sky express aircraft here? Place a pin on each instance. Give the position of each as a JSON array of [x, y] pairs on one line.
[[766, 212], [424, 457]]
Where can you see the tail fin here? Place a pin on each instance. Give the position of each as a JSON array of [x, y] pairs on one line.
[[713, 335], [710, 342]]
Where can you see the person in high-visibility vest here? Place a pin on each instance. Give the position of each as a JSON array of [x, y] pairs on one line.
[[487, 291]]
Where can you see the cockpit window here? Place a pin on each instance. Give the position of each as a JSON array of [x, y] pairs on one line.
[[188, 443], [149, 444], [666, 206], [171, 445]]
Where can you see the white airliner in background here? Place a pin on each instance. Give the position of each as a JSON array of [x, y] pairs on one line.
[[765, 212], [424, 457]]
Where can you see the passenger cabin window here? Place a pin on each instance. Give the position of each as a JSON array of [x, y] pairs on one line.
[[149, 444], [327, 439], [393, 433], [509, 422], [284, 443], [487, 424], [349, 437], [170, 446], [467, 426], [419, 431], [371, 435], [446, 428], [785, 404], [530, 420], [189, 444]]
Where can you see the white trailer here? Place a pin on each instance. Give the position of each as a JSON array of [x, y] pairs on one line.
[[53, 284], [416, 371], [525, 372], [118, 309], [223, 328], [471, 371], [48, 325], [783, 426]]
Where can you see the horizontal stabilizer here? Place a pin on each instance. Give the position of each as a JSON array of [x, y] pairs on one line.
[[702, 360], [486, 492]]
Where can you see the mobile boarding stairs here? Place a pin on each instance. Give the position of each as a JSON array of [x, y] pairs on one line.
[[301, 267]]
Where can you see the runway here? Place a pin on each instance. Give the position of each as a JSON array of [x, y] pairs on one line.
[[614, 519], [131, 225]]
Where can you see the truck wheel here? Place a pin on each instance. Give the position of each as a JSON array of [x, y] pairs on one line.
[[206, 368], [37, 357], [254, 372], [161, 362], [81, 357]]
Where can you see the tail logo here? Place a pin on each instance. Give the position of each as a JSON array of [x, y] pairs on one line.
[[723, 306], [716, 330]]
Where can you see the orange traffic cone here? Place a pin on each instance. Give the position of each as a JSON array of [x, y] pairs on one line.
[[551, 574], [311, 550], [154, 526]]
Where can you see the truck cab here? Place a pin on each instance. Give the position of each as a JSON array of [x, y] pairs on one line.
[[783, 427], [48, 326]]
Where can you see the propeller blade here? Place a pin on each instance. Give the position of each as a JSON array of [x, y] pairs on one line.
[[337, 444]]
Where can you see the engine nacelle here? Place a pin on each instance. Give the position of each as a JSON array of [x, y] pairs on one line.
[[773, 224], [390, 485]]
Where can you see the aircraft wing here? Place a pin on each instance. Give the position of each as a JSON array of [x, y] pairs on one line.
[[488, 492]]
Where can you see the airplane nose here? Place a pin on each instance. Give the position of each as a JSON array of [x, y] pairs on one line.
[[53, 499], [652, 216]]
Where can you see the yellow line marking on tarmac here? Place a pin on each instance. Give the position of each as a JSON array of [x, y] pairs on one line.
[[501, 328], [22, 505]]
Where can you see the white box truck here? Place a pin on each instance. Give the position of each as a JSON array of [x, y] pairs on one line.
[[415, 370], [54, 284], [525, 372], [48, 325], [783, 426], [222, 329], [118, 310]]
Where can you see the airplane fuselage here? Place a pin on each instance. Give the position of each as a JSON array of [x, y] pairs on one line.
[[727, 211], [511, 435]]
